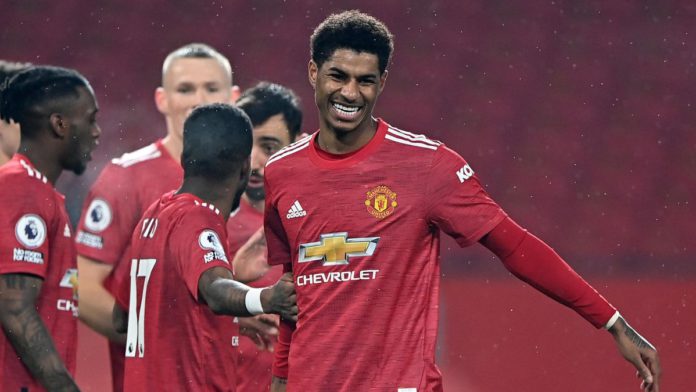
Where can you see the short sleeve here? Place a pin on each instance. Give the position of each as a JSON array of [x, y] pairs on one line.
[[276, 239], [199, 244], [457, 203], [109, 215], [28, 215]]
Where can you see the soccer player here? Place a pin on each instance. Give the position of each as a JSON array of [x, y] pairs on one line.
[[364, 245], [180, 277], [56, 110], [276, 116], [9, 130], [192, 75]]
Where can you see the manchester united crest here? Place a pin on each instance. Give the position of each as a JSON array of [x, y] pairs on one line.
[[381, 201]]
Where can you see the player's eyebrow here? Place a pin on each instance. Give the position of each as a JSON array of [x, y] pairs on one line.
[[269, 139]]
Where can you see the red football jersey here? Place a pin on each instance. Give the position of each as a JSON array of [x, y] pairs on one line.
[[35, 238], [124, 190], [363, 234], [253, 366], [174, 342]]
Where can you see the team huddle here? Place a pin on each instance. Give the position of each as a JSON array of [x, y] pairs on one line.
[[238, 254]]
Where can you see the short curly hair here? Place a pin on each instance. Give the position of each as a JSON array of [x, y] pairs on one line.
[[35, 86], [352, 30]]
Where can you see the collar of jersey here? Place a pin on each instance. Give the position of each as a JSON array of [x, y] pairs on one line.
[[350, 158]]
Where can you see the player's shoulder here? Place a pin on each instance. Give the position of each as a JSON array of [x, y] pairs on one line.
[[415, 142], [21, 177], [290, 151], [139, 158]]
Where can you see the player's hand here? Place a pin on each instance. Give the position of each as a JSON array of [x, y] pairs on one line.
[[261, 329], [278, 384], [281, 298], [639, 352], [250, 261]]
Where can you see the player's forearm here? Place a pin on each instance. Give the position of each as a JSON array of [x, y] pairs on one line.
[[96, 306], [27, 332], [28, 335], [534, 262], [226, 296]]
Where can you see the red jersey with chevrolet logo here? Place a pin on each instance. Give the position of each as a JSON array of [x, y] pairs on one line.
[[36, 239], [362, 232]]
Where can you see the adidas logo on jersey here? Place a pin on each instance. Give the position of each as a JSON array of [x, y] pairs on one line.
[[296, 211]]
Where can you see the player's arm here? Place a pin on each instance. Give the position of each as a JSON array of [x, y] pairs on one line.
[[96, 302], [250, 261], [281, 357], [534, 262], [27, 332], [278, 384], [224, 295]]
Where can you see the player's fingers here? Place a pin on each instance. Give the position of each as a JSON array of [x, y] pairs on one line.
[[645, 373], [262, 342], [254, 338], [654, 365]]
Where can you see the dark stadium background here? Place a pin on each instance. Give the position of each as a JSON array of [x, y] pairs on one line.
[[578, 117]]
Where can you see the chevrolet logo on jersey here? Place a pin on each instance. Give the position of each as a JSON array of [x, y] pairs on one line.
[[337, 249]]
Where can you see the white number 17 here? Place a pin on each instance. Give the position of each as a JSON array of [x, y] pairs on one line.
[[140, 268]]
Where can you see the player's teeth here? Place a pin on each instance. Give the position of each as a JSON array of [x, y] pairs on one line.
[[346, 109]]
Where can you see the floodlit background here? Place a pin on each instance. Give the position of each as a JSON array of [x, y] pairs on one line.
[[578, 116]]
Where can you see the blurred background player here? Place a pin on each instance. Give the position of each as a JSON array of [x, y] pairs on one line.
[[366, 251], [56, 110], [193, 75], [179, 280], [275, 113], [9, 130]]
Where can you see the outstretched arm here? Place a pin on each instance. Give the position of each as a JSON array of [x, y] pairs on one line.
[[534, 262], [27, 332], [224, 295]]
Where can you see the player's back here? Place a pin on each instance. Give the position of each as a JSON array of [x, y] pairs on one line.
[[175, 342], [35, 239]]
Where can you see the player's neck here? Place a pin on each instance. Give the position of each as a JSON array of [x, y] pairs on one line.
[[43, 157], [258, 205], [210, 191], [174, 146], [339, 142], [4, 158]]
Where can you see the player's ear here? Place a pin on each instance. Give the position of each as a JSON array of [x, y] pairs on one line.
[[383, 80], [246, 170], [161, 100], [312, 71], [235, 94], [59, 125]]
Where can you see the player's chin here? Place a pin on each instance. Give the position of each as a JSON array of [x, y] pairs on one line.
[[79, 168]]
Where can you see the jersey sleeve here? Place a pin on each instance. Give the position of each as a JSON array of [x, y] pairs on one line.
[[199, 243], [457, 203], [28, 214], [276, 239], [109, 215]]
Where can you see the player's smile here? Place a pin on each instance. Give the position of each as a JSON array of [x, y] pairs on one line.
[[345, 112]]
